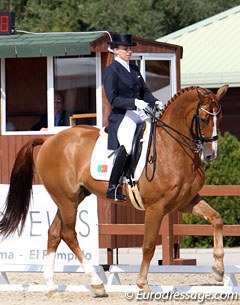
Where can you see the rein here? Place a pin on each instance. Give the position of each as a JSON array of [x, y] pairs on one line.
[[152, 142], [198, 143]]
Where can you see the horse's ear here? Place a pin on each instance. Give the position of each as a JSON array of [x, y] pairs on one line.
[[221, 92]]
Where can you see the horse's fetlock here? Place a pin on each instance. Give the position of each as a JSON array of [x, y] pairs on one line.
[[218, 253], [142, 283], [48, 275]]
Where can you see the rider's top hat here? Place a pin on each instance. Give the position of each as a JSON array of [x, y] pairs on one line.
[[122, 39]]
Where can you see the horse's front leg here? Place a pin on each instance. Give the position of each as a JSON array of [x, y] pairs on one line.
[[201, 208], [153, 218]]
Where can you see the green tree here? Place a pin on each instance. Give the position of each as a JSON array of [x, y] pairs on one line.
[[181, 13], [46, 15], [140, 18], [224, 171], [146, 18]]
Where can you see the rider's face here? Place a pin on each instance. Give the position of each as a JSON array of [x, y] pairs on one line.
[[123, 52]]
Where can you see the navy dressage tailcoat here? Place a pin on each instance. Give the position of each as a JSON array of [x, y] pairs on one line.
[[122, 88]]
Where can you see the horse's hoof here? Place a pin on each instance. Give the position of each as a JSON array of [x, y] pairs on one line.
[[99, 291], [218, 275], [144, 287]]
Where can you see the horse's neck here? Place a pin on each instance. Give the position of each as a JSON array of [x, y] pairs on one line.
[[179, 109], [178, 116]]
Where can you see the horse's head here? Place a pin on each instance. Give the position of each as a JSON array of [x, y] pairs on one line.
[[206, 121]]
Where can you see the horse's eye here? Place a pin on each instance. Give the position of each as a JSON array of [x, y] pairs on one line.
[[204, 121]]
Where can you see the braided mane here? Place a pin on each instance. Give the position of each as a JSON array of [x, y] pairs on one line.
[[176, 95]]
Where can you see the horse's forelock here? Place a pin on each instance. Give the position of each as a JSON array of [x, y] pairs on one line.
[[209, 98]]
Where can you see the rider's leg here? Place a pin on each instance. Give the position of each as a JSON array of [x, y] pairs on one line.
[[127, 128], [125, 136], [119, 162]]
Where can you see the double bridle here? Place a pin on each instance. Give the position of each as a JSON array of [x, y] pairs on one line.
[[196, 119], [199, 139]]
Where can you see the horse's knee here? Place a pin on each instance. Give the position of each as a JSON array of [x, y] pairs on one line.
[[68, 235], [148, 250], [217, 220]]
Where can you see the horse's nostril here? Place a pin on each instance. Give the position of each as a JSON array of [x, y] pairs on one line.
[[209, 158]]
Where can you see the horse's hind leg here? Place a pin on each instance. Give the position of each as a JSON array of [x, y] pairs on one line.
[[68, 212], [54, 238], [201, 208]]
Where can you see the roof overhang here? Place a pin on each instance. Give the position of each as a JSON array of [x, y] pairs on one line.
[[47, 44], [211, 50], [210, 80]]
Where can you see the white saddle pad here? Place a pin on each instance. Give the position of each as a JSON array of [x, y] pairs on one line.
[[101, 163]]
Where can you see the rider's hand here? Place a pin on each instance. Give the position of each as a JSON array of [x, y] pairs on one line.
[[159, 105], [140, 104]]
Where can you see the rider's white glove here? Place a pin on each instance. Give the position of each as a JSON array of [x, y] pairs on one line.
[[140, 104], [159, 105]]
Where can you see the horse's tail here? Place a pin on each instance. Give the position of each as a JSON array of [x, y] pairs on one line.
[[20, 190]]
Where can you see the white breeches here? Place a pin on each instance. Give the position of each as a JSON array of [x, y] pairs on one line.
[[128, 126]]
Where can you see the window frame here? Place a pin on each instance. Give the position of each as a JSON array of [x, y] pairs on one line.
[[50, 99], [142, 57], [171, 57]]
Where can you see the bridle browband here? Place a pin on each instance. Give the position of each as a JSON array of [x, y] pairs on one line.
[[199, 140]]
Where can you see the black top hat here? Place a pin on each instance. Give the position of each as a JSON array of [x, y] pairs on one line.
[[122, 39]]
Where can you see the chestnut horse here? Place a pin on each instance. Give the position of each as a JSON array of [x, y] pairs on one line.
[[186, 135]]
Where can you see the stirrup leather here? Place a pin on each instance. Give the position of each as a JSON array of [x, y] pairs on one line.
[[112, 193]]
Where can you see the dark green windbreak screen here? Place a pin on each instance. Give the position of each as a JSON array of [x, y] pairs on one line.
[[47, 44]]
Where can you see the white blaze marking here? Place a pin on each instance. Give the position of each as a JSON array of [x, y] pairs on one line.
[[214, 133], [215, 143]]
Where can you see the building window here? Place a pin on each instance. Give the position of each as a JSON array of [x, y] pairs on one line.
[[75, 81], [158, 78], [25, 92], [159, 72], [28, 87]]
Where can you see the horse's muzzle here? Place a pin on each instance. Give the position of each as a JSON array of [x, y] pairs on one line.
[[209, 152], [210, 158]]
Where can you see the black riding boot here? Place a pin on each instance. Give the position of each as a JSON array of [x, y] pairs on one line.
[[119, 163]]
